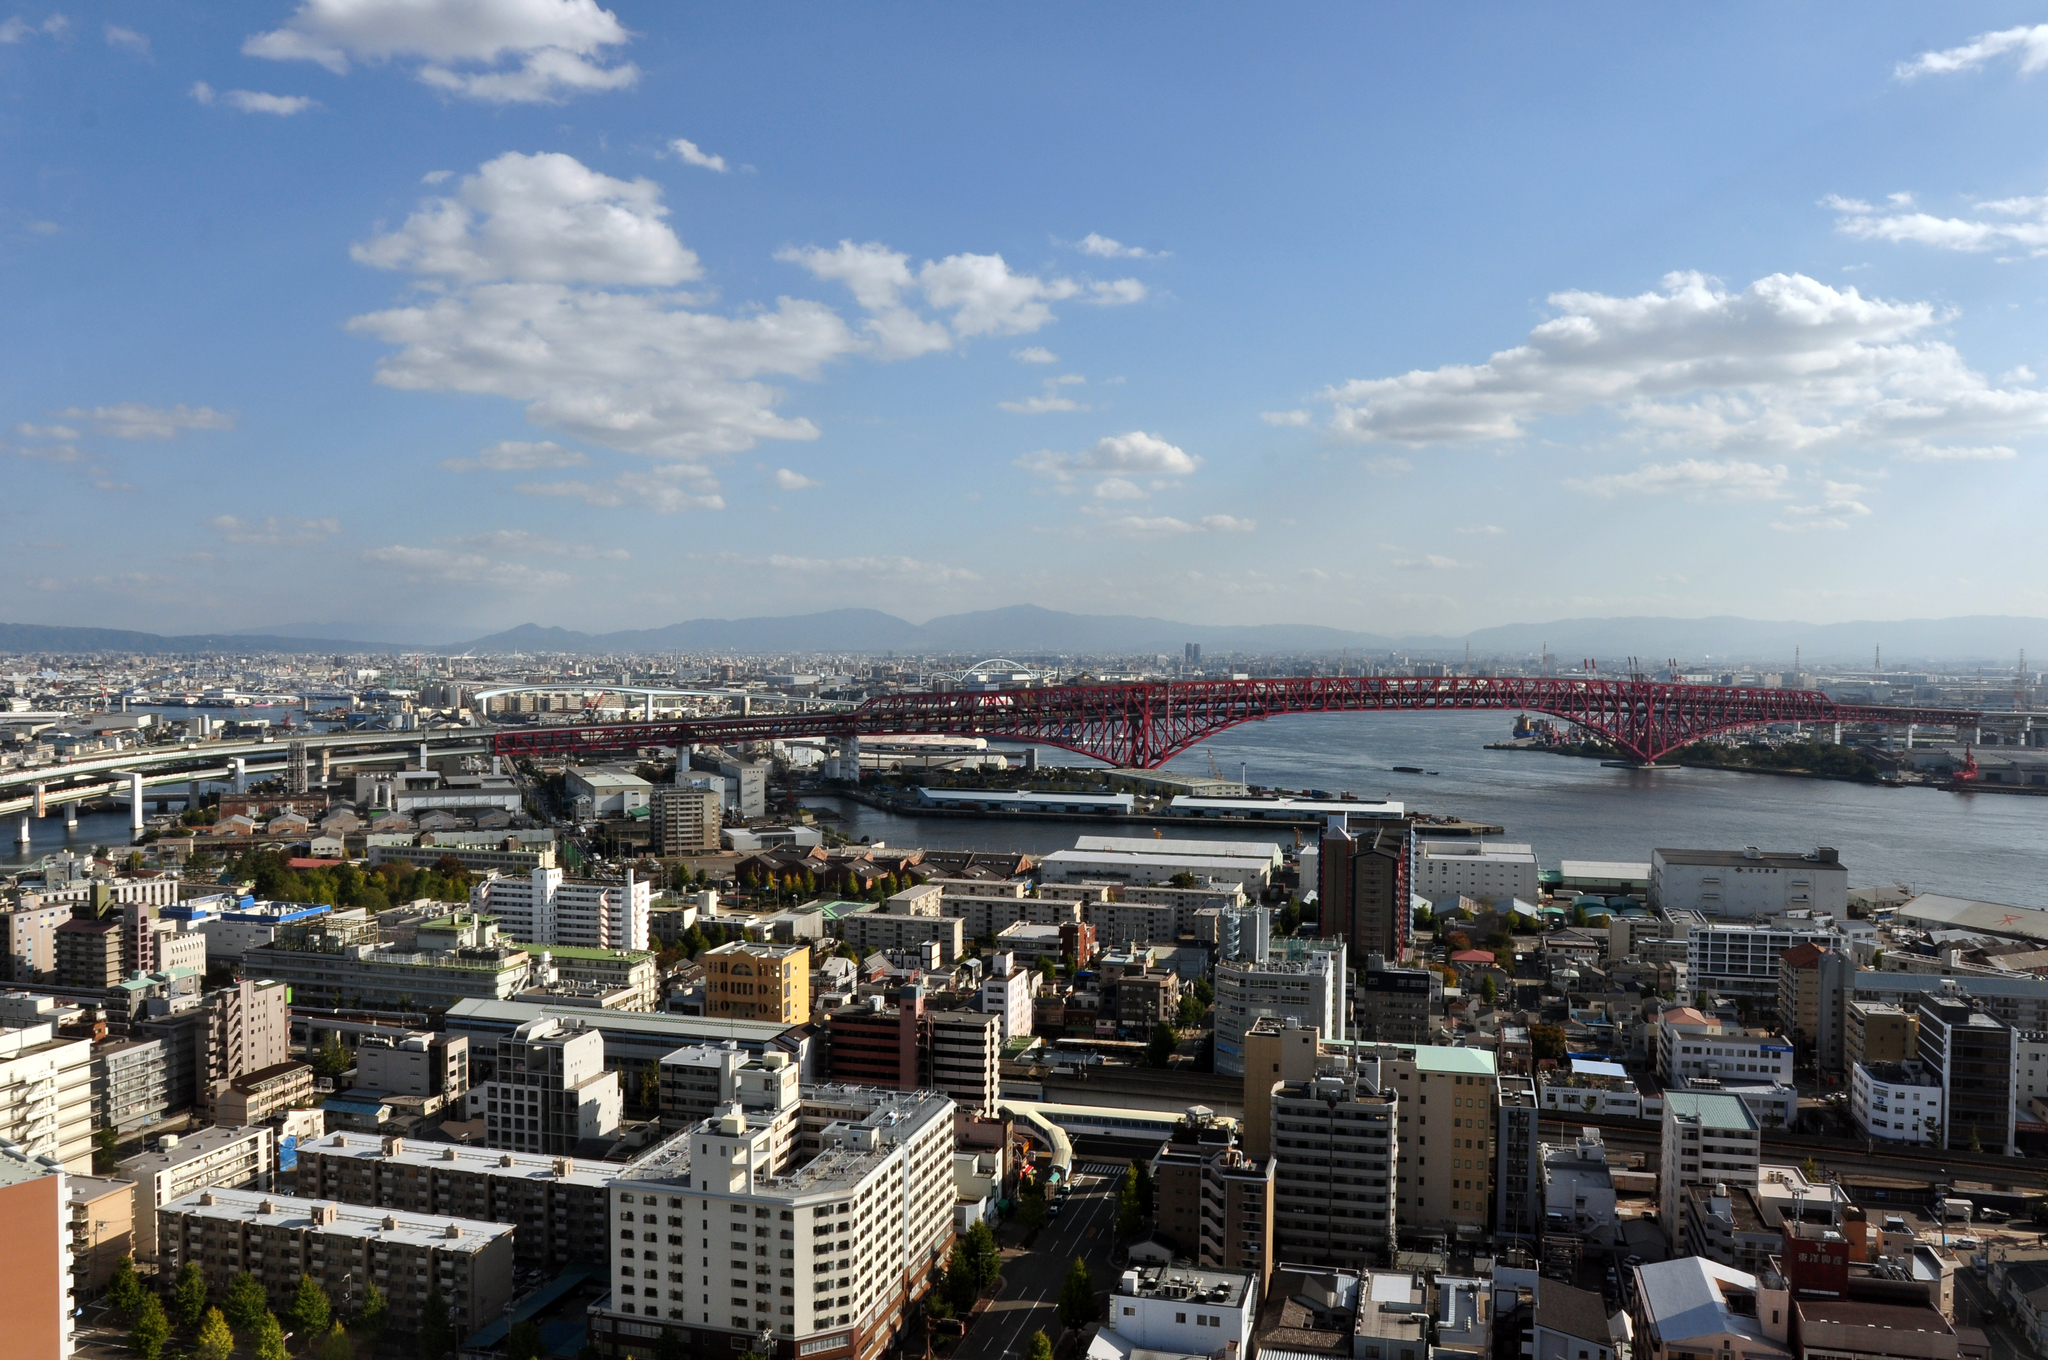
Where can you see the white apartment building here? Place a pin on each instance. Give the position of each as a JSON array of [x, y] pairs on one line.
[[1309, 990], [1128, 866], [1691, 1044], [1742, 960], [549, 1089], [817, 1220], [1896, 1102], [1748, 882], [1239, 933], [1336, 1152], [46, 1100], [1179, 1309], [1488, 871], [1708, 1139], [966, 1050], [612, 791], [213, 1158], [546, 906], [1006, 993]]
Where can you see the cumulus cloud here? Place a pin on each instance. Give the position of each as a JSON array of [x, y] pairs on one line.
[[1049, 400], [1228, 524], [1162, 526], [982, 293], [1102, 246], [1034, 354], [1838, 505], [18, 29], [253, 101], [1488, 530], [692, 154], [1934, 453], [1999, 224], [902, 569], [28, 431], [1730, 478], [2028, 43], [127, 39], [133, 420], [1133, 454], [1787, 363], [1118, 489], [273, 531], [1426, 562], [547, 282], [514, 455], [445, 566], [545, 218], [518, 541], [786, 480], [494, 51], [666, 490]]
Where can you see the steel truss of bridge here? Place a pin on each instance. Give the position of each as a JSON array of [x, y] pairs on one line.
[[1142, 726]]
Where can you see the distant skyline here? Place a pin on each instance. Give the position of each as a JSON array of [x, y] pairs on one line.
[[1402, 321]]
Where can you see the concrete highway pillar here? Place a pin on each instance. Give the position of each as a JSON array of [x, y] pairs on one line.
[[746, 705], [41, 811], [240, 766], [24, 838], [650, 708], [1977, 735], [1910, 729], [423, 755], [326, 764], [135, 801], [1838, 734], [852, 757], [497, 764]]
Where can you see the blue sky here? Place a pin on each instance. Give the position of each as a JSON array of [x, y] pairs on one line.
[[465, 313]]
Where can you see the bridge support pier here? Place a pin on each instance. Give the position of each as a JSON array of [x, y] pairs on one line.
[[1838, 734], [647, 713], [240, 768], [326, 765], [850, 755], [71, 815], [1911, 728], [135, 802], [24, 837], [41, 811]]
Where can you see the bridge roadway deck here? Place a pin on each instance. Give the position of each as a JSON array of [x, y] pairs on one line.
[[468, 740]]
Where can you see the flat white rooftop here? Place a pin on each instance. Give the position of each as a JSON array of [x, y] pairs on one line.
[[1160, 847]]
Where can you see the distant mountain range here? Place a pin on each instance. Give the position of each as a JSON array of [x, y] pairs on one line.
[[1991, 640]]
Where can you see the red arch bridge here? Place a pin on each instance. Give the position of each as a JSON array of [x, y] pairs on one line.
[[1145, 725]]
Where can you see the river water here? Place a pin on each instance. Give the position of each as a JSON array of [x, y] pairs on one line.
[[1978, 845]]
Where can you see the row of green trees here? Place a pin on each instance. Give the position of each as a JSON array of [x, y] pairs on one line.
[[376, 888], [243, 1316]]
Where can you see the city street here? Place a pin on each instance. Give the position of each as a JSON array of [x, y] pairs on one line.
[[1086, 1228]]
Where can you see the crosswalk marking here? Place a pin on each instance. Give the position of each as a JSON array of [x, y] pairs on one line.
[[1105, 1168]]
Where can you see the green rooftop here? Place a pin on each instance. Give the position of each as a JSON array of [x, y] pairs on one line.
[[580, 951], [1435, 1059]]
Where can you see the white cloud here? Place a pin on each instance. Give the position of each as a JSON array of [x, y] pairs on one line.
[[1932, 453], [983, 294], [1049, 400], [272, 531], [1096, 244], [1426, 562], [28, 431], [1388, 467], [1118, 489], [666, 490], [18, 29], [545, 218], [133, 420], [253, 101], [787, 480], [1731, 478], [1136, 453], [1034, 354], [634, 370], [2030, 42], [127, 39], [901, 569], [692, 154], [1787, 363], [2013, 222], [1286, 417], [516, 541], [1487, 530], [444, 566], [555, 46], [1228, 524], [514, 455], [1141, 526], [1838, 505], [437, 176], [51, 453]]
